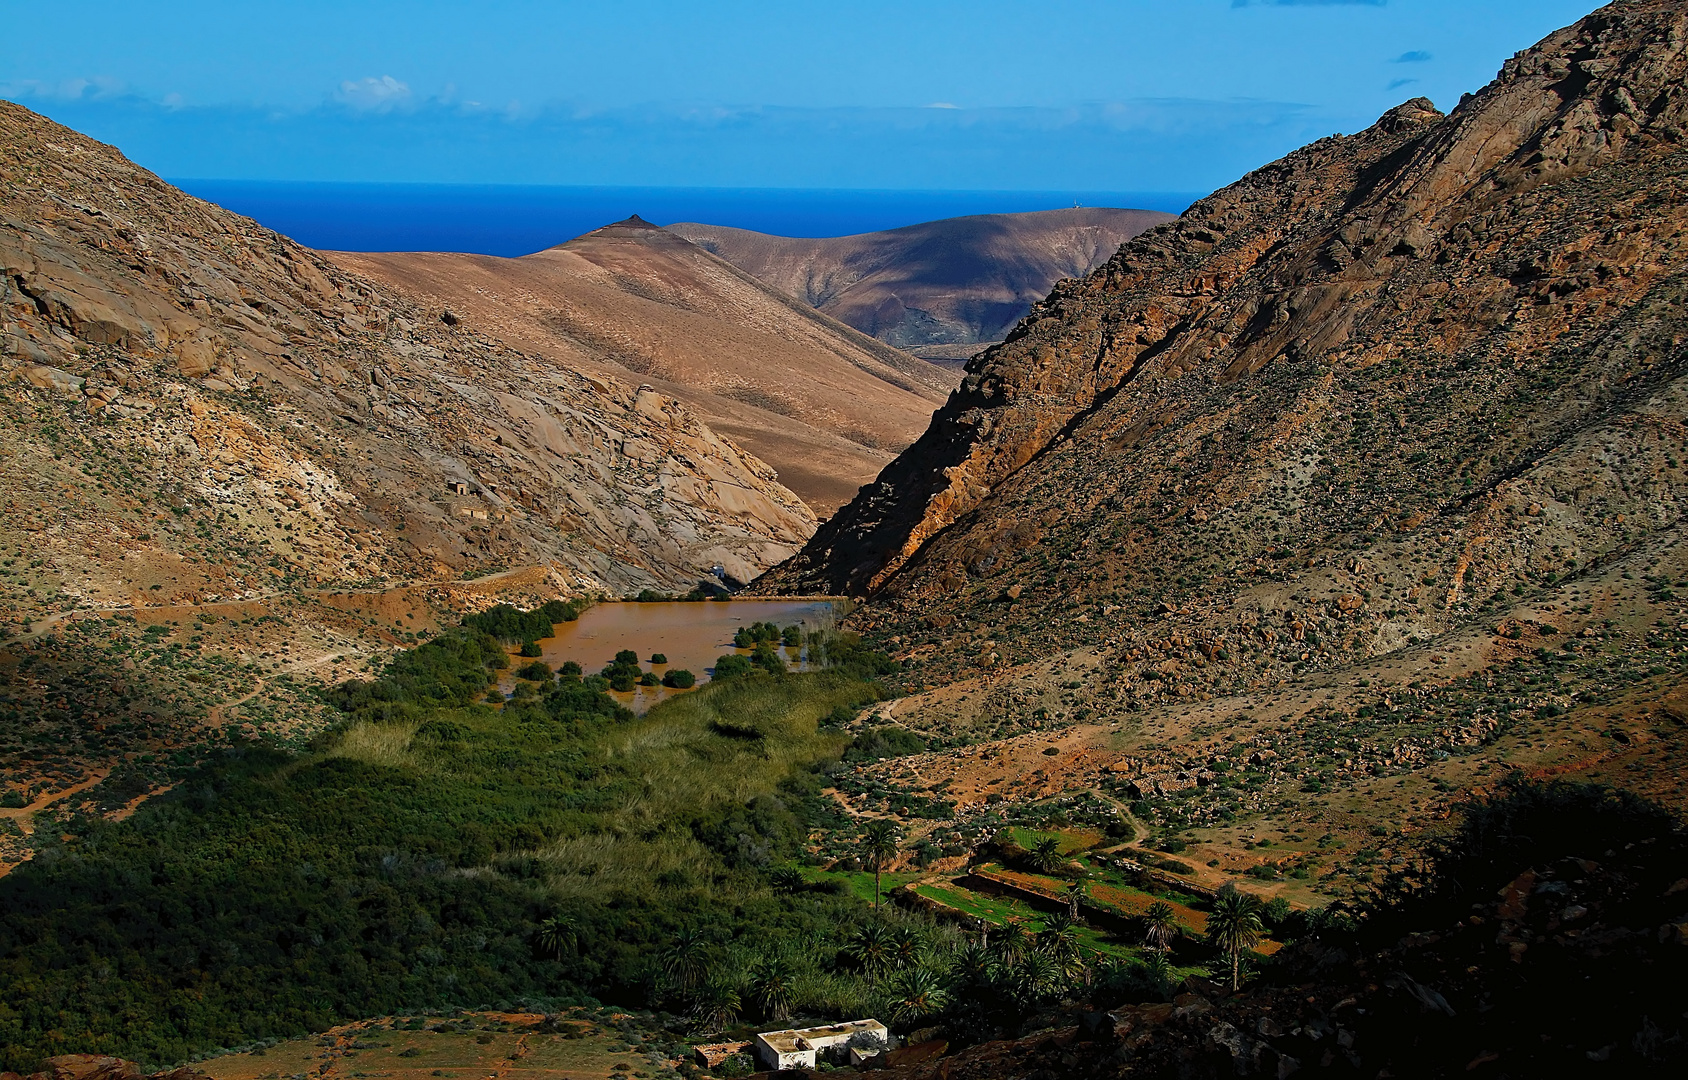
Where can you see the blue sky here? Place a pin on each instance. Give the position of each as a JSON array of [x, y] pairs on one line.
[[1173, 95]]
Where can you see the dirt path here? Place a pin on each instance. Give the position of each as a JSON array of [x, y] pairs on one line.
[[215, 716], [22, 814], [1139, 831]]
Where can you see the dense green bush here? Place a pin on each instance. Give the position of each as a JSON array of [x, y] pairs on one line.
[[765, 657], [732, 666], [452, 669], [748, 637], [407, 862], [623, 673], [679, 679], [884, 742]]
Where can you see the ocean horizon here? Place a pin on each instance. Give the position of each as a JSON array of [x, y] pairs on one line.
[[511, 220]]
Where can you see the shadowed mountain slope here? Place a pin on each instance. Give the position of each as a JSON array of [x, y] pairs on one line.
[[1377, 390], [192, 405], [826, 406], [961, 280]]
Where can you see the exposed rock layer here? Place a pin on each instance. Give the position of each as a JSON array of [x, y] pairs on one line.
[[159, 352], [1358, 393]]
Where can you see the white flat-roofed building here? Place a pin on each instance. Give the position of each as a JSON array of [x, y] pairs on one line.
[[799, 1048]]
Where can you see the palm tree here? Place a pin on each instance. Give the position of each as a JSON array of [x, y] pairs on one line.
[[1036, 977], [879, 846], [1234, 925], [1060, 940], [906, 947], [1160, 926], [1012, 942], [558, 933], [1156, 970], [687, 959], [1046, 855], [974, 965], [918, 993], [1074, 895], [787, 878], [773, 986], [717, 1005], [872, 948]]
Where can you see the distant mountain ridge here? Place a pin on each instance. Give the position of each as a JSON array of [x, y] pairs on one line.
[[825, 405], [956, 281]]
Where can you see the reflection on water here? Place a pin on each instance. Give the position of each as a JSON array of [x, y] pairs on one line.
[[690, 635]]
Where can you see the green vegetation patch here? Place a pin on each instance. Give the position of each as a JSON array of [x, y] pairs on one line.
[[408, 859]]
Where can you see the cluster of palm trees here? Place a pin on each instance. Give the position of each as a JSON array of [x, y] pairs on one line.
[[1235, 925], [913, 970], [918, 975]]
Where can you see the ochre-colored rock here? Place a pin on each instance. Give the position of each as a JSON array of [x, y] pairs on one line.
[[1449, 348], [333, 429]]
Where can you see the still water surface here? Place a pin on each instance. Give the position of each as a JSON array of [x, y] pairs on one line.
[[690, 635]]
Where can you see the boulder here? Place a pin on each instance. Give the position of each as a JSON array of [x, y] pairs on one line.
[[51, 378]]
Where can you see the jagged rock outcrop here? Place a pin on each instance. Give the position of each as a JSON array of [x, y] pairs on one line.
[[194, 406], [1364, 389]]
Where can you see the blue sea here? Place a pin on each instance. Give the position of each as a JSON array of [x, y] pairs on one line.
[[516, 220]]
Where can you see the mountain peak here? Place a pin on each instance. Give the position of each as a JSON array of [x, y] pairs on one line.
[[1420, 110]]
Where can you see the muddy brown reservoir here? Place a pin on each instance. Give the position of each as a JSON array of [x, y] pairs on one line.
[[690, 635]]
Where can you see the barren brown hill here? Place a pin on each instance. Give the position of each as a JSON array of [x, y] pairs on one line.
[[1375, 404], [827, 407], [195, 407], [957, 281]]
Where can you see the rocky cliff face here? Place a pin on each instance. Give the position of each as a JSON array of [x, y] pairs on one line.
[[1361, 392], [194, 407]]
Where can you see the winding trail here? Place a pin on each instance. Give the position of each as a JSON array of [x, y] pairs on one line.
[[23, 814]]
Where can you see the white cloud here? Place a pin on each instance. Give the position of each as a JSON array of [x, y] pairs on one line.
[[375, 95], [98, 88]]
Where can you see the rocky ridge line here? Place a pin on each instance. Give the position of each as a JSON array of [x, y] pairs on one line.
[[184, 357]]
